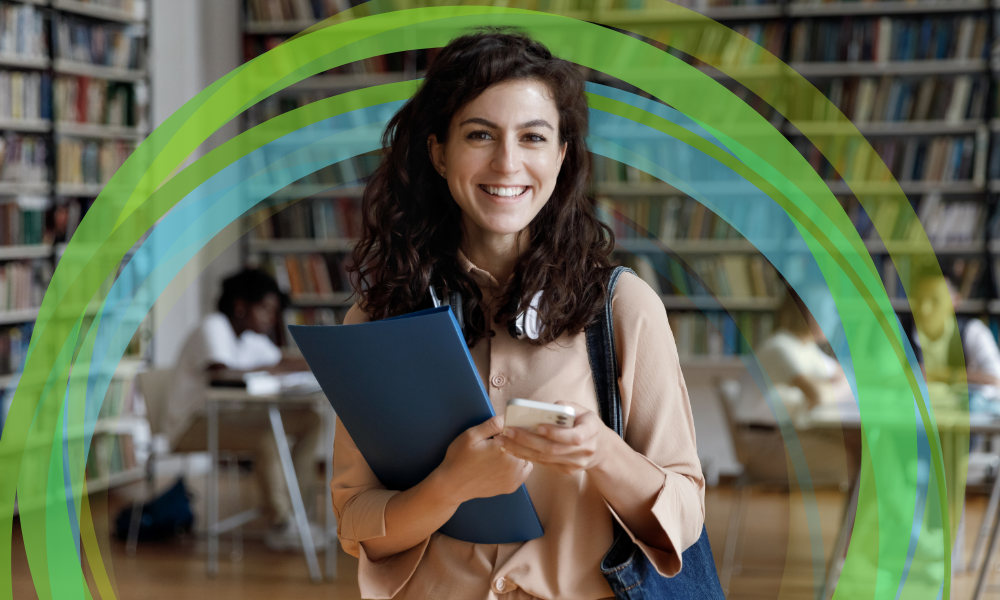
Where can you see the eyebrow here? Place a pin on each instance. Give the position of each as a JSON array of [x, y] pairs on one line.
[[526, 125]]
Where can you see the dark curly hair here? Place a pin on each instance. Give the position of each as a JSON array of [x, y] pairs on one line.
[[411, 225], [249, 285]]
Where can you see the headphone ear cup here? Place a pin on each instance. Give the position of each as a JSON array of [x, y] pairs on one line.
[[455, 300]]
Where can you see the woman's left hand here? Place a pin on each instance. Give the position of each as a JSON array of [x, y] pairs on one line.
[[567, 449]]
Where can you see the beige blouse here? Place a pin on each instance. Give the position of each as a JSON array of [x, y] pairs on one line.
[[563, 564]]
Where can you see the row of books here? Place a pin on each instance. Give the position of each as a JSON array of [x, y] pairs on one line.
[[66, 217], [931, 98], [740, 276], [104, 44], [698, 5], [25, 95], [22, 31], [118, 399], [255, 45], [954, 222], [109, 454], [23, 283], [966, 272], [668, 219], [260, 11], [125, 6], [319, 219], [90, 161], [313, 316], [14, 347], [312, 274], [943, 158], [23, 158], [889, 38], [717, 334], [994, 167], [87, 100], [19, 225], [276, 105], [734, 51]]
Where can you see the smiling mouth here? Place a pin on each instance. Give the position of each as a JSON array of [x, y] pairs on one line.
[[504, 191]]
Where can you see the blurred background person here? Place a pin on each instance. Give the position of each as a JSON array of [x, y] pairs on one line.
[[228, 343]]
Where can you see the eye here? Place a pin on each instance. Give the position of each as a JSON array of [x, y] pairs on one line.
[[475, 135], [540, 138]]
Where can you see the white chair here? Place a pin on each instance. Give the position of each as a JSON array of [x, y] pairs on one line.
[[155, 387]]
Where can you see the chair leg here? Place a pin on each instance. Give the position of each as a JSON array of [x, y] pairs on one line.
[[132, 542], [741, 539], [732, 534], [233, 466]]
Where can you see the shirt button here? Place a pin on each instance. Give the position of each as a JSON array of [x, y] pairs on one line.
[[501, 584], [499, 380]]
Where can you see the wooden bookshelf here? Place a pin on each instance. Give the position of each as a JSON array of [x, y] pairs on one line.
[[979, 188], [132, 26], [98, 11], [888, 7], [72, 67]]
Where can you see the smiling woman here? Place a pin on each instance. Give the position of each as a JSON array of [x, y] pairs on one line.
[[482, 193]]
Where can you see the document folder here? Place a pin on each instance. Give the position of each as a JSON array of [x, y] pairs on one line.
[[405, 388]]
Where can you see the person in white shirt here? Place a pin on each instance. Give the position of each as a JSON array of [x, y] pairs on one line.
[[236, 340], [943, 343], [803, 377]]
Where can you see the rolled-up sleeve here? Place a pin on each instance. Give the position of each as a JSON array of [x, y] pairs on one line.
[[359, 501], [657, 418]]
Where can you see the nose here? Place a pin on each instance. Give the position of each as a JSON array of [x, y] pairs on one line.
[[507, 158]]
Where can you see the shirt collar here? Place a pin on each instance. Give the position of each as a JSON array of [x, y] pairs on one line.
[[481, 276]]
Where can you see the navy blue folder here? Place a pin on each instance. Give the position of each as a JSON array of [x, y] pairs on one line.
[[405, 388]]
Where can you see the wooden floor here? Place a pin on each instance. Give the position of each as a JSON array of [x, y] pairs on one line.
[[777, 558]]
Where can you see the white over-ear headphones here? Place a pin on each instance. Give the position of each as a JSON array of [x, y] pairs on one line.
[[524, 325]]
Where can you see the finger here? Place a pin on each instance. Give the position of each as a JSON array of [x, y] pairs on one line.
[[519, 451], [533, 441], [570, 436], [485, 430], [569, 463]]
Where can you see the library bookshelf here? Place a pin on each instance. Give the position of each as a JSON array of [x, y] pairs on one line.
[[919, 78], [74, 96]]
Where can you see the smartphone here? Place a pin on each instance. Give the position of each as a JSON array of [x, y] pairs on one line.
[[529, 414]]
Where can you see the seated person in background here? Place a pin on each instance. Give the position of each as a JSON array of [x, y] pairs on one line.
[[939, 340], [231, 342], [803, 377]]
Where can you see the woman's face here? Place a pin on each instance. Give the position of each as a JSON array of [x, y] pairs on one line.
[[502, 157]]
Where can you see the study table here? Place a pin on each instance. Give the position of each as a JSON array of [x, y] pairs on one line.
[[954, 428], [219, 399]]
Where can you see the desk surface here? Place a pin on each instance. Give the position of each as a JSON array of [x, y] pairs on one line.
[[226, 394], [848, 417]]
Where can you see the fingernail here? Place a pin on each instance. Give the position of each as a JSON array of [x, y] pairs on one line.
[[509, 433], [543, 430]]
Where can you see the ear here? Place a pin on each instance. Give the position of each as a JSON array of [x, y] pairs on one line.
[[562, 153], [436, 152]]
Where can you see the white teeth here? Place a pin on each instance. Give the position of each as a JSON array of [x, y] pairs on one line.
[[504, 191]]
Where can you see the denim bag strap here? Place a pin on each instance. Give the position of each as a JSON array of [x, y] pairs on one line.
[[625, 566]]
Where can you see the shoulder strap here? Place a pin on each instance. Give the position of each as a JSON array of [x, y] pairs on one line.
[[604, 360]]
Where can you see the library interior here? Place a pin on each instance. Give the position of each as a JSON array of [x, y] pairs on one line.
[[207, 446]]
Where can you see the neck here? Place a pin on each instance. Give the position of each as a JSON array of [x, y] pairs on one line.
[[495, 253], [934, 333], [237, 324]]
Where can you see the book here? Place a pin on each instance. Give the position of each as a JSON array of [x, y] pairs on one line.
[[404, 418]]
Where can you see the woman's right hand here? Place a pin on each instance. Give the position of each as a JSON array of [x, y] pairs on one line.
[[475, 465]]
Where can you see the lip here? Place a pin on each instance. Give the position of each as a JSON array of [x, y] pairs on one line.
[[504, 199]]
